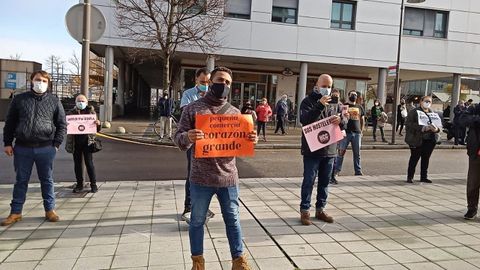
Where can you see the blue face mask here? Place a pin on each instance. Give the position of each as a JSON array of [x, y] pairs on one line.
[[81, 105], [203, 88]]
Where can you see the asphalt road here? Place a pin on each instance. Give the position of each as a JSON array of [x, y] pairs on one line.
[[126, 161]]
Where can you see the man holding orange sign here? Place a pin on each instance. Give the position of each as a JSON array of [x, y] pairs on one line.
[[217, 132]]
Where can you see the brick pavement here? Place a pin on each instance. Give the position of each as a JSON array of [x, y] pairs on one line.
[[381, 223]]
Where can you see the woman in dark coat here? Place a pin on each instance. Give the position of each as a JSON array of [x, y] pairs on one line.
[[80, 147], [421, 139]]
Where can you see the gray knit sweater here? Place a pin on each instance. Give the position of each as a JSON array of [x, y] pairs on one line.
[[211, 172]]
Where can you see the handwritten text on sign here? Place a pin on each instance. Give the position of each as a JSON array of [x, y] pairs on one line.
[[423, 119], [226, 135], [322, 133], [81, 124]]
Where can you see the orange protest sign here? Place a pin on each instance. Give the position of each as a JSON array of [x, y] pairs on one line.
[[226, 135]]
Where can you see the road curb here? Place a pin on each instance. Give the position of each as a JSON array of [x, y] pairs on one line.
[[283, 146]]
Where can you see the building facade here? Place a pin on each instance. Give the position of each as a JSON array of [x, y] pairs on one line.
[[280, 47]]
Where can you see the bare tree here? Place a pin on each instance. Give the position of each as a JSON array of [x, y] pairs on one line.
[[76, 63], [163, 26], [16, 56], [54, 64]]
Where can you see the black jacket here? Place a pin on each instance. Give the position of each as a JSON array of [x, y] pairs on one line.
[[311, 112], [471, 119], [415, 136], [35, 121]]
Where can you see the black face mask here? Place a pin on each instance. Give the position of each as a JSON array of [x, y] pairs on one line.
[[353, 98], [219, 90]]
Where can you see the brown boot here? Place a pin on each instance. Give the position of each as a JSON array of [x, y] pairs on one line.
[[321, 215], [198, 262], [12, 218], [240, 263], [305, 218], [52, 216]]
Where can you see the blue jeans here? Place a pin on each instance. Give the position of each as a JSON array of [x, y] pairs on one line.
[[313, 167], [356, 140], [229, 203], [23, 160]]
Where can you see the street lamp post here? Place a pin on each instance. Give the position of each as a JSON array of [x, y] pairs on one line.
[[85, 48], [396, 91]]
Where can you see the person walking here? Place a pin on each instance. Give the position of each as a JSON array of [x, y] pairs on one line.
[[402, 113], [421, 140], [80, 146], [36, 122], [264, 112], [471, 119], [212, 176], [376, 113], [318, 163], [354, 133], [248, 109], [165, 111], [202, 79], [281, 111], [460, 130], [335, 95]]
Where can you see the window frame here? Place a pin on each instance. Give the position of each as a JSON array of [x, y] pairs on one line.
[[446, 14], [285, 8], [444, 25], [239, 15], [341, 21]]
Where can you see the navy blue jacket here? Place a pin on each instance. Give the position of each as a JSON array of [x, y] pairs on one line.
[[35, 121], [282, 108], [165, 107], [310, 112]]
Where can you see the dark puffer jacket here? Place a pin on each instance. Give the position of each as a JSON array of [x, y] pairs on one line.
[[471, 119], [35, 121]]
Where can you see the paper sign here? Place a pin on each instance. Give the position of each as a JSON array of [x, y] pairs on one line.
[[81, 124], [226, 135], [322, 133], [423, 119]]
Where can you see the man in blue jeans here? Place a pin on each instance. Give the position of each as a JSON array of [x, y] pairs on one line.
[[354, 131], [202, 79], [36, 121], [316, 106], [212, 176]]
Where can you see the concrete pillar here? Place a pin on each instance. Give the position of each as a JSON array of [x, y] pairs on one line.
[[108, 84], [382, 85], [302, 88], [210, 62], [121, 87], [457, 82]]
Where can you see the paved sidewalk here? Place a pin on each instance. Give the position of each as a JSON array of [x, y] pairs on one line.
[[381, 223], [142, 131]]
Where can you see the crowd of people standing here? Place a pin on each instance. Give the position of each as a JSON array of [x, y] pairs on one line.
[[36, 127]]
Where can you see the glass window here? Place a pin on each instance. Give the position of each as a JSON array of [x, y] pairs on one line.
[[425, 22], [238, 9], [196, 6], [343, 14], [284, 15], [440, 24]]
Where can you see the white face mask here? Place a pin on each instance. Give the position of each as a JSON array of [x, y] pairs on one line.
[[324, 91], [40, 87], [82, 105], [427, 105]]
